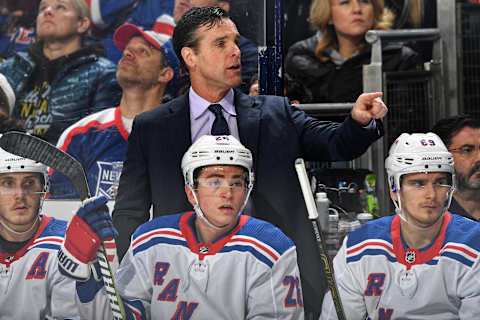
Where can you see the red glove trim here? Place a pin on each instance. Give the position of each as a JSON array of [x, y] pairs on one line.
[[81, 241]]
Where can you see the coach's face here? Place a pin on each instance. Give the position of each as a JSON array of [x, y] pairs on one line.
[[215, 64]]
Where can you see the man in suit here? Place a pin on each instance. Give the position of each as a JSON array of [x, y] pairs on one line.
[[205, 40]]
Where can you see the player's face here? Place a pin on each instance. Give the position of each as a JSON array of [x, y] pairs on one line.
[[423, 197], [182, 6], [59, 19], [465, 147], [352, 18], [20, 197], [141, 64], [221, 193], [215, 64]]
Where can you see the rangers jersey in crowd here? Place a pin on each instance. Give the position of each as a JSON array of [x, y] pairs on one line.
[[249, 273], [31, 287], [98, 142], [378, 276]]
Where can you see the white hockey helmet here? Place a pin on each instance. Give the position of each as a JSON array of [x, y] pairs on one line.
[[10, 163], [418, 153], [216, 150]]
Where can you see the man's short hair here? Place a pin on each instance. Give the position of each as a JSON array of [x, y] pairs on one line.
[[448, 127], [184, 34]]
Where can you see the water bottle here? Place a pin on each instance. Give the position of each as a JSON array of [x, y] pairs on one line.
[[322, 208]]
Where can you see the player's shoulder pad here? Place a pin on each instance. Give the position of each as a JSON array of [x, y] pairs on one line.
[[52, 235], [266, 233], [375, 229], [463, 231], [161, 222], [55, 228]]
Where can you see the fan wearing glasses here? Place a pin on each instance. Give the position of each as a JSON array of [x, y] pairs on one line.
[[461, 135]]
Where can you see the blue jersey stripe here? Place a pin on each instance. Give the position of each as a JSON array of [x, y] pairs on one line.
[[371, 252], [256, 253], [458, 257], [144, 246], [46, 246]]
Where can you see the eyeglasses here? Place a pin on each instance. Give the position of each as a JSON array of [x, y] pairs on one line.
[[466, 151], [215, 183]]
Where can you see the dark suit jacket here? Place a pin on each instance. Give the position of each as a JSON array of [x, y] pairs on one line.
[[276, 133]]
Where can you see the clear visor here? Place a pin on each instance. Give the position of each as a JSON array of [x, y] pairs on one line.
[[441, 184], [215, 183], [28, 186]]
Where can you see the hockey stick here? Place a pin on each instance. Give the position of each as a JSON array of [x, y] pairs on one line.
[[313, 217], [27, 146]]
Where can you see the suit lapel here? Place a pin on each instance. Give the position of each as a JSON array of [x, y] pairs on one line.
[[178, 124], [248, 121]]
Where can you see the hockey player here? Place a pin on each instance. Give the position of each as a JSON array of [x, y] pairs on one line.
[[211, 263], [423, 262], [31, 286]]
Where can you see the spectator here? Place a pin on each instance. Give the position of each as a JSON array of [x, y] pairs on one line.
[[60, 80], [421, 263], [32, 286], [99, 140], [17, 26], [330, 63], [276, 133], [461, 135], [206, 264], [295, 90], [108, 15]]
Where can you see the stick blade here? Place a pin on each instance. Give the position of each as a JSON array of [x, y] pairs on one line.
[[27, 146]]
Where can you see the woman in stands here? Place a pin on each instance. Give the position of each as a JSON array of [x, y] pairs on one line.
[[330, 62]]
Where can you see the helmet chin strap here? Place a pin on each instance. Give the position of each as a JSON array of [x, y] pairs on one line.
[[199, 211], [22, 232]]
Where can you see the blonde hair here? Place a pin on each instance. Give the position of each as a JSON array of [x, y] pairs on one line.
[[82, 9], [320, 14]]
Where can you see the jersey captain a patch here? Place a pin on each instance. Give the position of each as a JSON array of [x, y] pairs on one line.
[[108, 177]]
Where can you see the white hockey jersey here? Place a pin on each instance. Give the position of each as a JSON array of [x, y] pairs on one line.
[[31, 287], [378, 276], [249, 273]]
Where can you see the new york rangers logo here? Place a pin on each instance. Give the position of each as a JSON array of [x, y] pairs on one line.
[[108, 177], [410, 256]]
